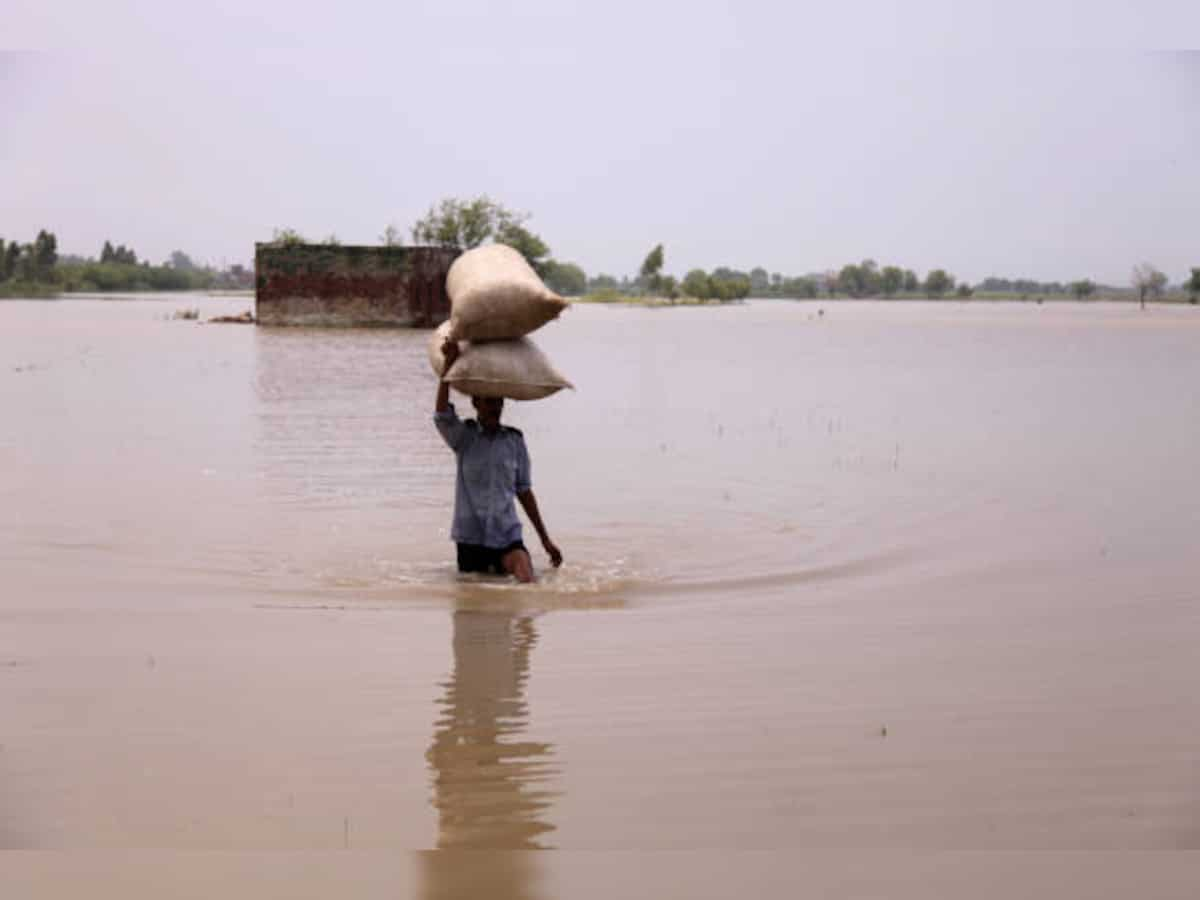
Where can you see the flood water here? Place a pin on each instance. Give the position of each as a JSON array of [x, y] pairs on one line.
[[897, 576]]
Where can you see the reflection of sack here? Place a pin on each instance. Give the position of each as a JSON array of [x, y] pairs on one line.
[[515, 368], [495, 294]]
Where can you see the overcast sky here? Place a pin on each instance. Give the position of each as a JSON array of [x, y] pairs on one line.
[[1054, 140]]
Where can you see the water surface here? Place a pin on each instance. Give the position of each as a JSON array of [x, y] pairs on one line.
[[897, 575]]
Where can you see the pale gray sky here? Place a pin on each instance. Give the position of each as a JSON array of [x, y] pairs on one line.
[[1047, 139]]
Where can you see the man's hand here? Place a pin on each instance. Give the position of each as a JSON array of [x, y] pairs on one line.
[[555, 553], [449, 354]]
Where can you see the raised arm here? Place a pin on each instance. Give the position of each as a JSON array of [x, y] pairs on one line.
[[450, 354], [449, 425]]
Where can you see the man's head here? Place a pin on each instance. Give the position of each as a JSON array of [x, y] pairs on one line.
[[487, 411]]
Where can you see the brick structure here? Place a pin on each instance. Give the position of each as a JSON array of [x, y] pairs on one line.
[[328, 284]]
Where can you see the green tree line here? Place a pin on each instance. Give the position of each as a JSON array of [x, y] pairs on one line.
[[36, 269], [465, 223]]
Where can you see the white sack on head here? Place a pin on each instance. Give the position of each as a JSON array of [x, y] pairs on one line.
[[514, 368], [495, 294]]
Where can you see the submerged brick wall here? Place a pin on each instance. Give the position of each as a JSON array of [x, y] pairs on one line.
[[324, 284]]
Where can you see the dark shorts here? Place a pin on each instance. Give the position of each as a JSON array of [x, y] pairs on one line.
[[488, 560]]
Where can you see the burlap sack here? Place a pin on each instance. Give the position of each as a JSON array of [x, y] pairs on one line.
[[495, 294], [514, 368]]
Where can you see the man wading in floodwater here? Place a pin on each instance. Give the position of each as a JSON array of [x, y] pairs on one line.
[[493, 467]]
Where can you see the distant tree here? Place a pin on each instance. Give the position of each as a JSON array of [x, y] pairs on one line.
[[862, 280], [462, 224], [729, 284], [181, 261], [3, 276], [697, 284], [850, 280], [829, 282], [653, 262], [668, 287], [106, 254], [602, 283], [390, 236], [776, 282], [724, 273], [514, 234], [12, 260], [911, 281], [1082, 289], [869, 273], [964, 291], [652, 265], [332, 241], [566, 278], [23, 263], [465, 224], [938, 282], [288, 237], [44, 255], [798, 288], [760, 282], [481, 218], [1192, 286], [1147, 281], [891, 279]]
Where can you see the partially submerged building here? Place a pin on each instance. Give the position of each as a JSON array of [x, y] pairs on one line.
[[331, 284]]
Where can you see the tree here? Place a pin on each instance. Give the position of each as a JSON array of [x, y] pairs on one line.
[[938, 282], [12, 259], [728, 284], [850, 279], [462, 224], [760, 282], [911, 281], [891, 279], [869, 274], [964, 291], [44, 255], [1082, 289], [512, 233], [648, 274], [602, 283], [653, 262], [724, 273], [1192, 286], [1147, 281], [390, 236], [121, 255], [457, 225], [181, 261], [798, 288], [288, 237], [565, 278], [465, 224], [697, 284], [3, 275]]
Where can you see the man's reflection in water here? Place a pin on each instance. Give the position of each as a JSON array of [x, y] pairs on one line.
[[490, 785]]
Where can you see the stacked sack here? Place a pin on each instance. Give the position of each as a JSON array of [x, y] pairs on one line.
[[496, 299]]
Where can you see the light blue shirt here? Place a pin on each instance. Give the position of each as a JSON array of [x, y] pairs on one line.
[[492, 470]]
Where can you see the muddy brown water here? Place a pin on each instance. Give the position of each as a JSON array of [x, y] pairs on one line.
[[895, 576]]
